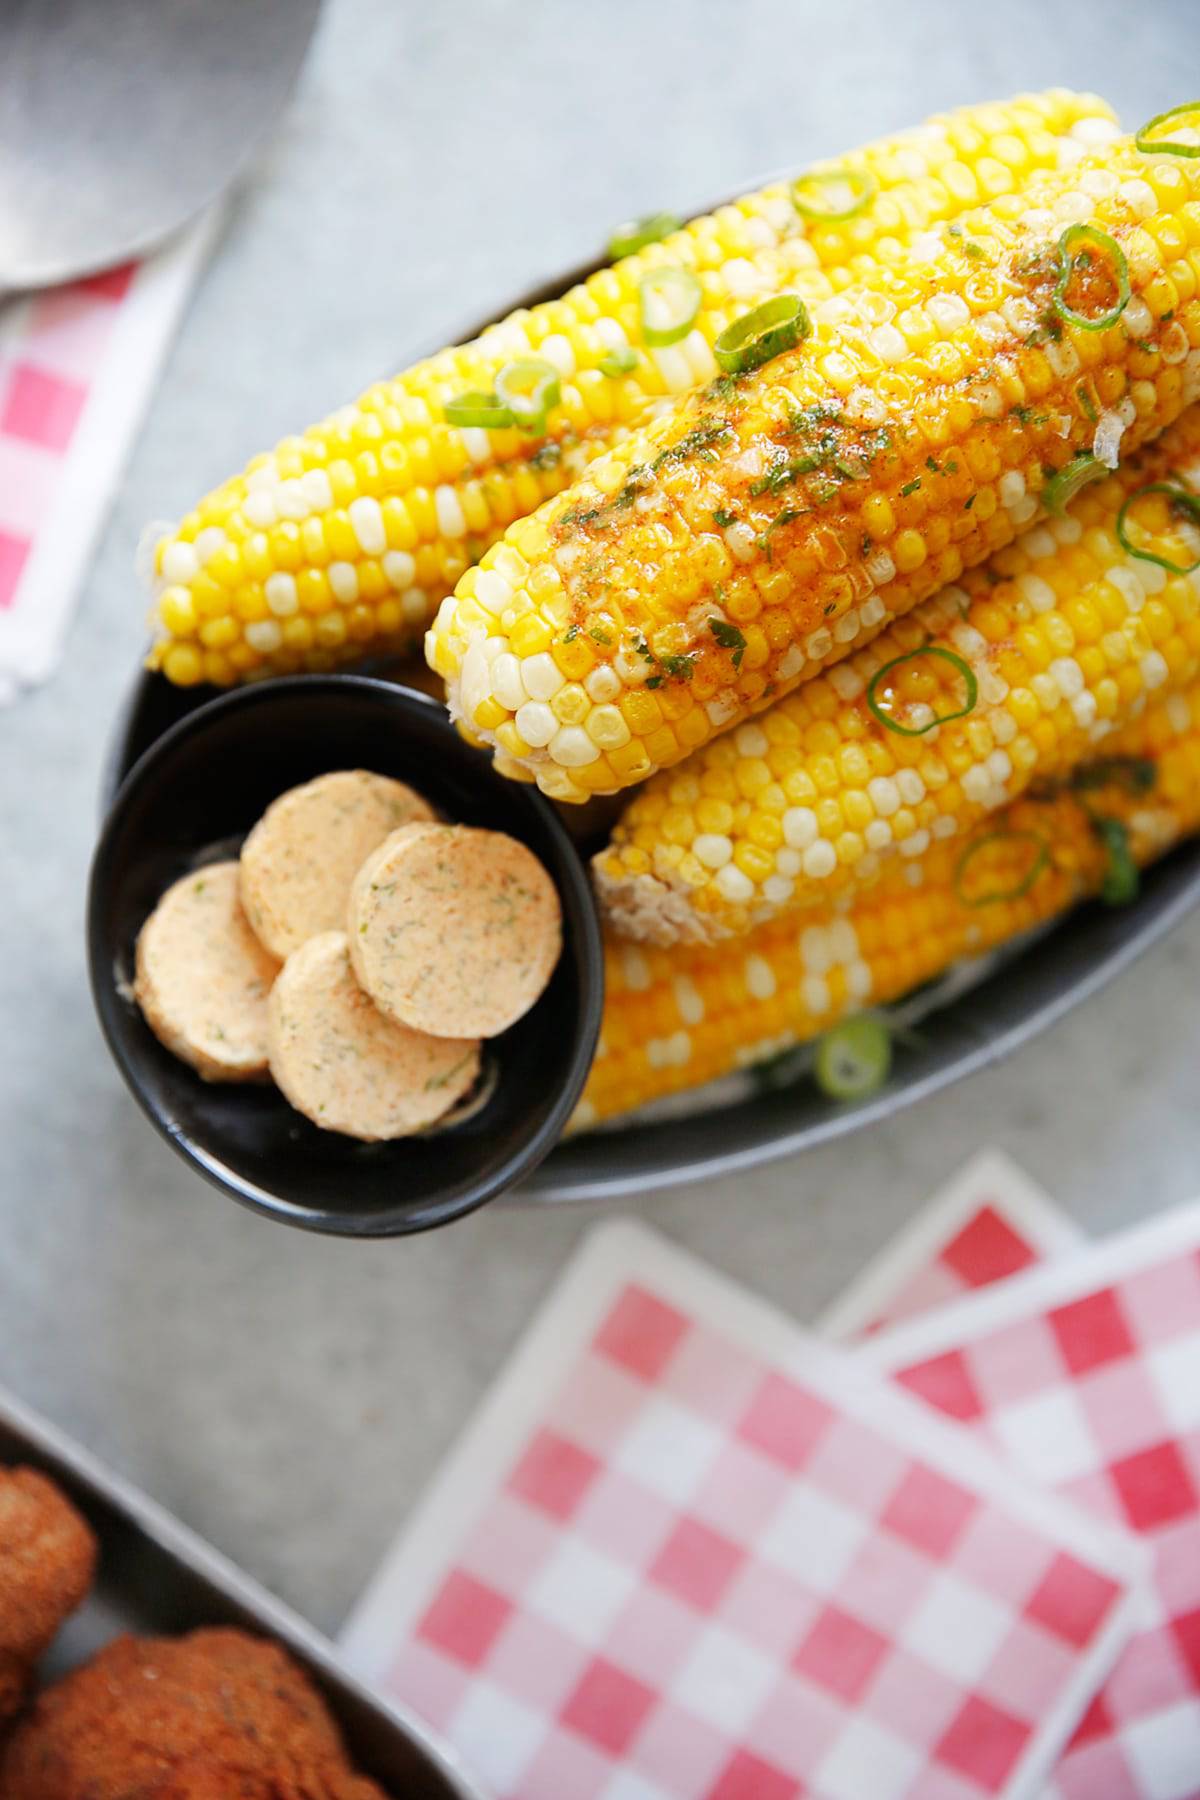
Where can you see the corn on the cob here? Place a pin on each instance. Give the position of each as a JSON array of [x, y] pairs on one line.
[[675, 1019], [343, 541], [765, 527], [1034, 658]]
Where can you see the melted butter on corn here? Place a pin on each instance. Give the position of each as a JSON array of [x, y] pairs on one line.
[[1065, 634], [771, 524]]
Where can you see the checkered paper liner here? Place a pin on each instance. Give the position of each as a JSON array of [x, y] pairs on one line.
[[989, 1222], [686, 1550], [77, 364], [1086, 1375]]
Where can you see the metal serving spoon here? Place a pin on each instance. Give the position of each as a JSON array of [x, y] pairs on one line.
[[121, 119]]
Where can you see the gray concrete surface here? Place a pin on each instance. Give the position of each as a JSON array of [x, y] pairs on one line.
[[289, 1396]]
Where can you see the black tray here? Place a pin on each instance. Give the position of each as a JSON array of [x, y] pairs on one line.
[[157, 1577]]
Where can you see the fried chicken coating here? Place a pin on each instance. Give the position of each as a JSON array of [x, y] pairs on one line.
[[213, 1716], [47, 1560]]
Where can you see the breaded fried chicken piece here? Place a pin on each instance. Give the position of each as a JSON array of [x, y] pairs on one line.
[[214, 1716], [47, 1559]]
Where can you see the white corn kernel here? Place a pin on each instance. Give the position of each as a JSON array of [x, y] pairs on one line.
[[180, 562], [1069, 676], [688, 1000], [1154, 669], [788, 862], [820, 860], [209, 541], [536, 723], [800, 827], [602, 683], [713, 849], [414, 603], [259, 509], [400, 569], [291, 501], [878, 834], [733, 885], [280, 591], [607, 728], [884, 795], [912, 788], [366, 522], [507, 686], [760, 978], [264, 635], [572, 747], [343, 579], [1035, 592], [751, 740], [814, 992], [542, 676], [777, 890], [816, 949]]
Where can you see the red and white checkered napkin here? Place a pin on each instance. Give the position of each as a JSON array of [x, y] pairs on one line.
[[77, 364], [1086, 1375], [687, 1550], [991, 1221]]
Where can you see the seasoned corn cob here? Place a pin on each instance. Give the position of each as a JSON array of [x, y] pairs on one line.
[[675, 1019], [763, 528], [343, 541], [1039, 654]]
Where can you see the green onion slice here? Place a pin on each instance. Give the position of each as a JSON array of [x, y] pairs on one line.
[[635, 234], [830, 195], [529, 387], [853, 1060], [970, 691], [1190, 146], [1062, 488], [1040, 856], [766, 331], [670, 300], [1121, 875], [618, 362], [478, 410], [1186, 507], [1078, 248]]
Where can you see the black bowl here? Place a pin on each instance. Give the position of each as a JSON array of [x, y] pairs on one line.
[[206, 781]]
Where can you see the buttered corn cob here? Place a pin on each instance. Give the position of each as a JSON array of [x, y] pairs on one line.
[[1037, 656], [343, 541], [770, 524], [675, 1019]]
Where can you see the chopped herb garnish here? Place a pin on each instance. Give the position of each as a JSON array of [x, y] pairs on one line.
[[1136, 774], [571, 633], [697, 442], [784, 518], [931, 463], [598, 635], [969, 503], [478, 411], [729, 638], [723, 517], [679, 667], [910, 487], [975, 251], [547, 457]]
